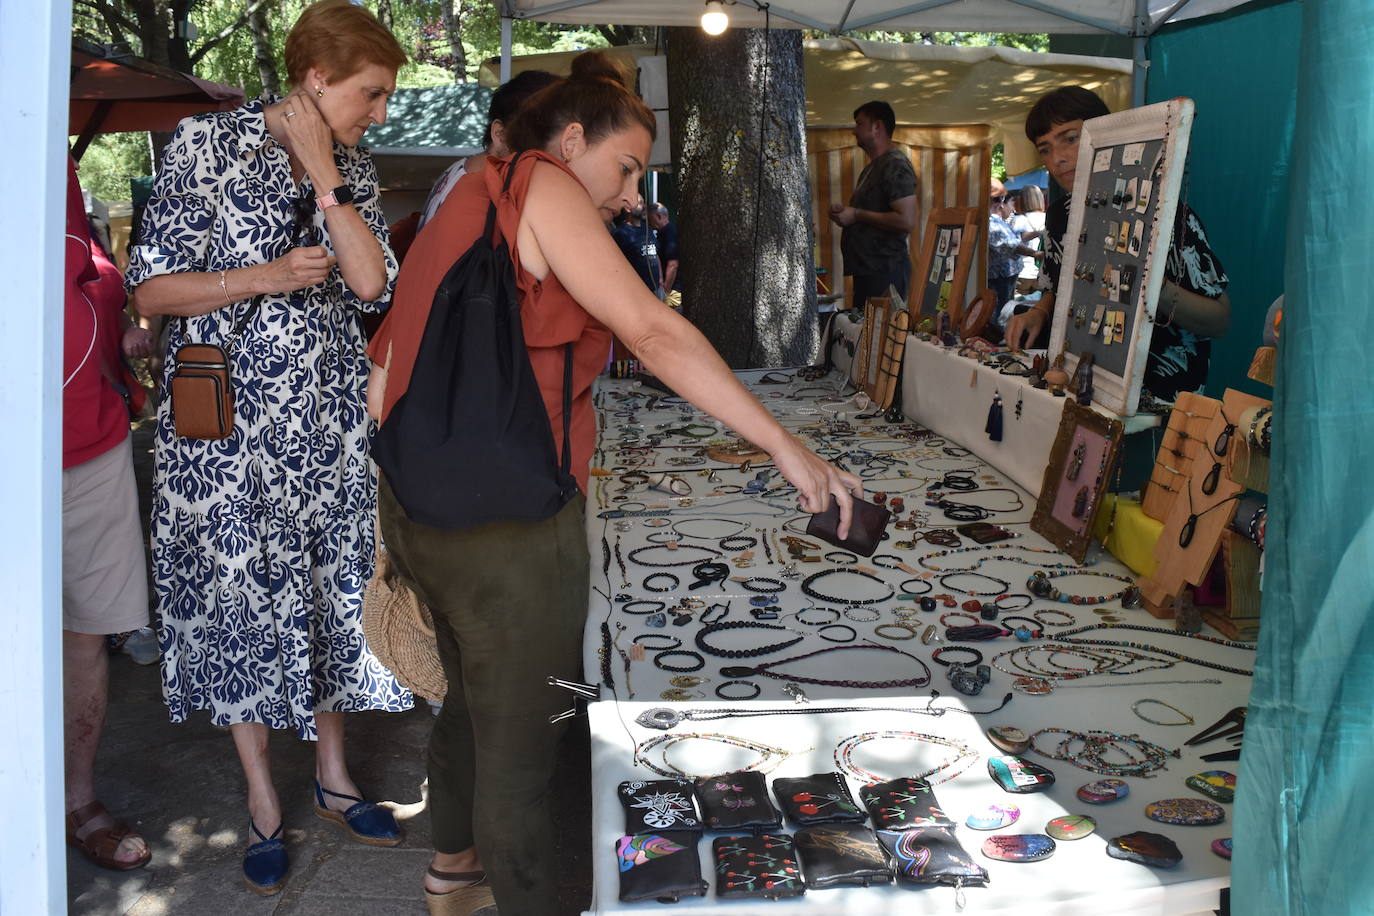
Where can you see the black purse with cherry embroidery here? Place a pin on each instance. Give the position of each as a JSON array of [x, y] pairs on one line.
[[903, 804], [822, 798], [757, 866]]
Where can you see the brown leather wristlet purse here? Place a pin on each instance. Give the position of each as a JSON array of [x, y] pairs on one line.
[[201, 389]]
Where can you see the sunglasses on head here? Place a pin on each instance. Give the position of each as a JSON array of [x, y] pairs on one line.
[[1002, 199]]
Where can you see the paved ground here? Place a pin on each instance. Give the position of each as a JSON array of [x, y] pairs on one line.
[[181, 786]]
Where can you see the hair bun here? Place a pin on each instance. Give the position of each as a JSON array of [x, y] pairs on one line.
[[597, 65]]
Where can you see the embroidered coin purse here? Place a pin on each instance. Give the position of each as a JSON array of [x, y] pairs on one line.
[[903, 804], [822, 798], [737, 801], [659, 804], [931, 855], [660, 866], [757, 866], [836, 854]]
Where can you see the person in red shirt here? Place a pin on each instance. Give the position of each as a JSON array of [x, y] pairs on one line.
[[104, 572]]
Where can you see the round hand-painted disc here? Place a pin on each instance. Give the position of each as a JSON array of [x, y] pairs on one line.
[[1018, 847], [1103, 791], [1071, 827], [993, 817], [1187, 812]]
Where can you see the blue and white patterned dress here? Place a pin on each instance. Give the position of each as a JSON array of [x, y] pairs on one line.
[[263, 542]]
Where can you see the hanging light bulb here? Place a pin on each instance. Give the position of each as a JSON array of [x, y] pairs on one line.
[[714, 21]]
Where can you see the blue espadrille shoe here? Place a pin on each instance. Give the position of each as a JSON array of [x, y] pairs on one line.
[[367, 821], [265, 863]]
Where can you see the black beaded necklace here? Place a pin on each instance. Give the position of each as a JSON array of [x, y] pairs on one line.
[[714, 628], [634, 554], [809, 591], [765, 670]]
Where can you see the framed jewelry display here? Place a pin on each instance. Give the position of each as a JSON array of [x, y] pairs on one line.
[[868, 351], [1081, 462], [1121, 222], [949, 249]]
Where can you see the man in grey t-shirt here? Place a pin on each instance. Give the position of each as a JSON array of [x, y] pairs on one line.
[[882, 210]]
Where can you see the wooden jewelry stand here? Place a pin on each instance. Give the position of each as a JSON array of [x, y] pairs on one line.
[[1191, 416]]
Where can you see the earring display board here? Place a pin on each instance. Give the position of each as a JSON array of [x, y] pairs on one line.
[[950, 248], [1080, 465], [894, 333], [1179, 448], [868, 353], [1121, 221]]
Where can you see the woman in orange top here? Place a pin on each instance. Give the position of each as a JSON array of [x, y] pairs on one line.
[[509, 599]]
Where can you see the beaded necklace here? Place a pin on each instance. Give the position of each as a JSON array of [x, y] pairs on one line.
[[634, 555], [769, 757], [1228, 669], [924, 560], [964, 756], [807, 587], [714, 628], [1143, 758], [765, 670], [1039, 585]]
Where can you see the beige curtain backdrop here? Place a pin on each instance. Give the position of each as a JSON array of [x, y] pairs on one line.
[[953, 168]]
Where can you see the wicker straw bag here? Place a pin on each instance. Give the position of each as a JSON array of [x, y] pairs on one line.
[[400, 632]]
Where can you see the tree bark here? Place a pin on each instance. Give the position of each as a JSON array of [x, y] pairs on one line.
[[745, 239], [262, 50], [384, 14], [453, 29]]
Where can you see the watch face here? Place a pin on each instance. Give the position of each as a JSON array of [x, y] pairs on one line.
[[343, 194]]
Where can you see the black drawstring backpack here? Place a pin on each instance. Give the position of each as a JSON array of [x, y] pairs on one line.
[[469, 441]]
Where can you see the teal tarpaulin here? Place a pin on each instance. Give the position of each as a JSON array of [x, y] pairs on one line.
[[1302, 819]]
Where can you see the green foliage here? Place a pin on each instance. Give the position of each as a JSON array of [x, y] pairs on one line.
[[111, 160], [959, 39]]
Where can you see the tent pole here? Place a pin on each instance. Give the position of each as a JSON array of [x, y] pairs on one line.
[[505, 48], [1140, 52]]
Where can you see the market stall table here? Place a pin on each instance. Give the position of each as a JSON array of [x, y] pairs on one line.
[[707, 593]]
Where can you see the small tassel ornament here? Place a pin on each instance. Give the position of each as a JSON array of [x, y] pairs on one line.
[[994, 427]]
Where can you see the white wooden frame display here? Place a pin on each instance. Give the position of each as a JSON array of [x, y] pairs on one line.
[[1121, 221]]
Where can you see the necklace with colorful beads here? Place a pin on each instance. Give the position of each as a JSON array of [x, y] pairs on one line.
[[1038, 584], [1143, 758], [1142, 647], [964, 756], [1113, 660], [924, 560], [769, 757]]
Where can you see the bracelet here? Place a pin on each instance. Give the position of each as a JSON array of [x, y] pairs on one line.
[[224, 288], [720, 690], [938, 656], [694, 657]]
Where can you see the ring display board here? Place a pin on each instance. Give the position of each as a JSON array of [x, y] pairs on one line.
[[1121, 222], [949, 250]]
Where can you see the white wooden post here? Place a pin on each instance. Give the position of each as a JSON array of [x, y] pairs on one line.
[[35, 54]]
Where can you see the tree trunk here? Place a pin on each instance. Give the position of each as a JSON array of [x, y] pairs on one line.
[[745, 236], [262, 50], [384, 14], [453, 29]]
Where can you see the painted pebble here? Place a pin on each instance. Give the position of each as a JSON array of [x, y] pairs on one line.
[[1019, 775], [993, 817], [1071, 827], [1145, 848], [1018, 847], [1222, 847], [1103, 791], [1009, 739], [1218, 785], [1186, 812]]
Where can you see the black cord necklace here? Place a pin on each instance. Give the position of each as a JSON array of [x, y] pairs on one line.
[[714, 628], [765, 670], [809, 591], [634, 554]]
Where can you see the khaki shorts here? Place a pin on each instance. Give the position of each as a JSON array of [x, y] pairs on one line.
[[104, 569]]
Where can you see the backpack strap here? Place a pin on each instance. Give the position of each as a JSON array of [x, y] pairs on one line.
[[566, 463], [491, 207]]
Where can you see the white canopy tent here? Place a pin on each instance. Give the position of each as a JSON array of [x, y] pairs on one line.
[[1135, 19]]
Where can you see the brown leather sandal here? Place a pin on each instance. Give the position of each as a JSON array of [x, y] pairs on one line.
[[101, 844], [461, 901]]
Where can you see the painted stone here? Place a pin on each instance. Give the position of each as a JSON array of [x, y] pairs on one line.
[[1218, 785], [1019, 775], [1222, 847], [1071, 827], [1009, 739], [1186, 812], [1018, 847], [1103, 791], [993, 817], [1145, 848]]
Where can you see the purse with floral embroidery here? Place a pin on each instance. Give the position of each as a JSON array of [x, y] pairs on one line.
[[659, 804], [661, 866], [737, 801]]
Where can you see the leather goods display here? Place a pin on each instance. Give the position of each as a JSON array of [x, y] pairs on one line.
[[903, 804], [822, 798], [836, 854], [757, 866], [661, 866], [866, 527], [201, 392], [659, 804], [931, 855], [737, 801]]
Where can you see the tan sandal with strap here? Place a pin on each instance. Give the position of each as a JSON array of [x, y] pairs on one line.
[[461, 901], [102, 843]]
